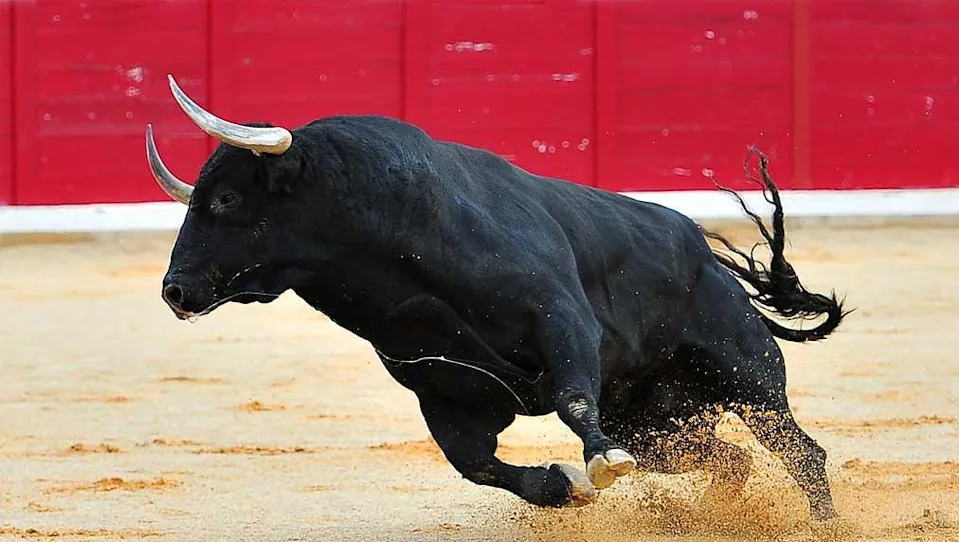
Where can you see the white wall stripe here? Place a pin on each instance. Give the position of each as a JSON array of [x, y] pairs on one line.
[[813, 203], [694, 203]]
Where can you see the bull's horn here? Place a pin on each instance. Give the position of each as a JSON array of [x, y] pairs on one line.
[[268, 140], [175, 188]]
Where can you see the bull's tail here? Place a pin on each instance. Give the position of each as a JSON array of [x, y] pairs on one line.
[[776, 288]]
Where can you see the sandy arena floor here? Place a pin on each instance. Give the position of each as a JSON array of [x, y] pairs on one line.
[[118, 421]]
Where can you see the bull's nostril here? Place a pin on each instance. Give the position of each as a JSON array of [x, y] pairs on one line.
[[173, 294]]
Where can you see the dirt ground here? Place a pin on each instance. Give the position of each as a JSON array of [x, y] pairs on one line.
[[268, 422]]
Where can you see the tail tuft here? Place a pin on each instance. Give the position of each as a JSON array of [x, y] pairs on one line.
[[776, 288]]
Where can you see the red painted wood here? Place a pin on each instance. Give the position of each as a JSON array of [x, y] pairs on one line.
[[89, 76], [627, 95], [6, 103], [802, 49], [515, 78], [695, 84], [606, 59], [885, 93], [415, 72], [294, 61]]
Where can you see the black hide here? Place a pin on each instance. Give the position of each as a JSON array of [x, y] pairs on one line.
[[491, 292]]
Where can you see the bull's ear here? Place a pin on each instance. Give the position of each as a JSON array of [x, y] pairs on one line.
[[282, 172]]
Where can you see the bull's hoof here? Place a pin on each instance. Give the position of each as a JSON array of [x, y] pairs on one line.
[[581, 490], [604, 468], [556, 486]]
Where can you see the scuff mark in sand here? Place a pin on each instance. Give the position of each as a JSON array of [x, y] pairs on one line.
[[257, 450], [107, 399], [192, 380], [441, 528], [31, 533], [933, 524], [256, 406], [102, 448], [170, 442], [867, 425], [902, 475], [424, 449], [118, 484], [42, 508], [319, 487], [415, 489]]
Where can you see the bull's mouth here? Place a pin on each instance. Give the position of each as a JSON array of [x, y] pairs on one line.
[[248, 286], [258, 283], [251, 297], [244, 297]]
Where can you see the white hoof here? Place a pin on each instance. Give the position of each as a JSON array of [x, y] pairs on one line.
[[603, 469], [581, 490]]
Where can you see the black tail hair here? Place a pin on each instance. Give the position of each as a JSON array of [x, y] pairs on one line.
[[777, 287]]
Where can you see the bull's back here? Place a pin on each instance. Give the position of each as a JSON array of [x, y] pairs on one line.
[[613, 239], [607, 232], [635, 261]]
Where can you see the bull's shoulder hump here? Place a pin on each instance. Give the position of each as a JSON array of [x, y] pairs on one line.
[[370, 126]]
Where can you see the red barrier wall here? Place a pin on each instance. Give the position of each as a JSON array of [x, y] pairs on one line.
[[512, 77], [884, 92], [89, 76], [6, 104], [646, 95], [688, 85], [291, 62]]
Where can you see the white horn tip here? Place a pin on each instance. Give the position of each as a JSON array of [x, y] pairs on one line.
[[174, 86], [272, 140]]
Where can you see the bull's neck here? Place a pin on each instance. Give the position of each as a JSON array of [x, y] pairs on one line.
[[360, 284]]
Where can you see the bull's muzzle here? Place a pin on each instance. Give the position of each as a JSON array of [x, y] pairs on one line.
[[183, 296]]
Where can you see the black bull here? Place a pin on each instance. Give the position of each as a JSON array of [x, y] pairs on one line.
[[491, 292]]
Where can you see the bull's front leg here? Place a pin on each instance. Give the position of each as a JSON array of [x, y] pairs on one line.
[[467, 438], [571, 344]]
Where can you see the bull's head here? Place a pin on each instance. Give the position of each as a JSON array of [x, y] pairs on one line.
[[238, 241]]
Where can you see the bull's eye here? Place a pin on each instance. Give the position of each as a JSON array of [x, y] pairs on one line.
[[225, 203]]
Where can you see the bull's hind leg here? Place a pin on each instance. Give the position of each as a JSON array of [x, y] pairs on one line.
[[467, 438], [745, 365], [758, 393], [804, 459]]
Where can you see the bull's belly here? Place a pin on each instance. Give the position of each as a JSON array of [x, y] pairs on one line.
[[662, 395], [427, 347], [471, 383]]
